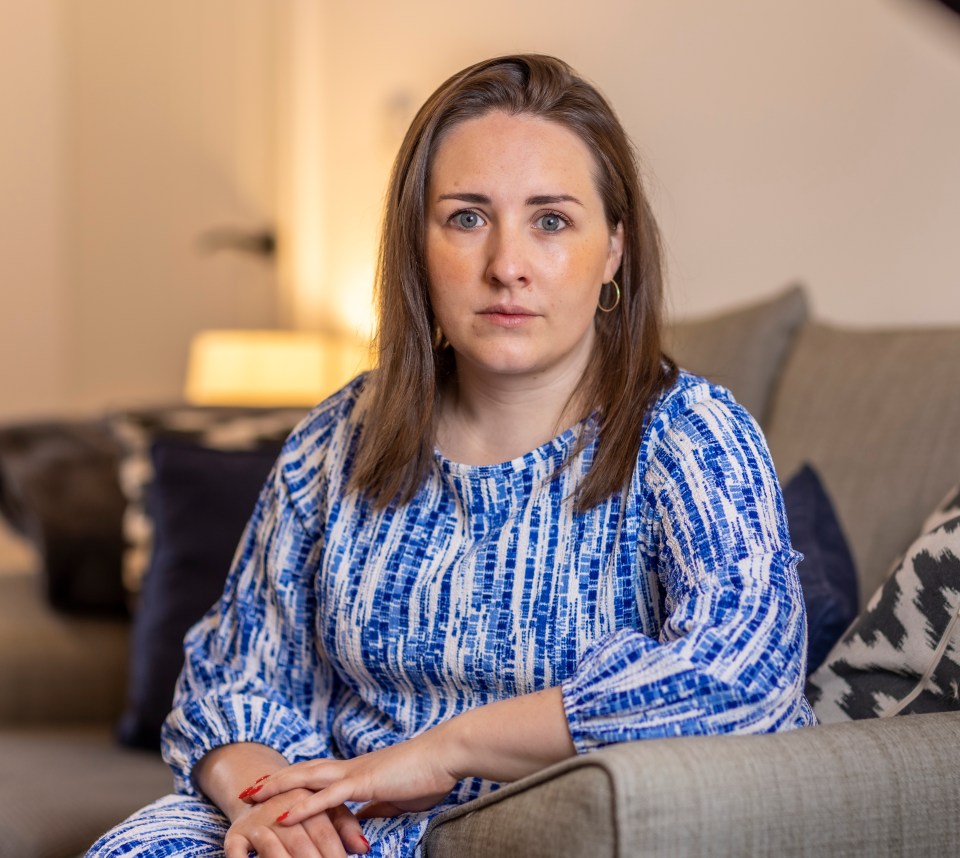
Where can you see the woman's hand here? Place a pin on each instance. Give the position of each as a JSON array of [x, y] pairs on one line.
[[409, 776], [221, 774], [331, 834], [500, 741]]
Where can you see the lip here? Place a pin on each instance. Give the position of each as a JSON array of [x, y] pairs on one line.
[[507, 315]]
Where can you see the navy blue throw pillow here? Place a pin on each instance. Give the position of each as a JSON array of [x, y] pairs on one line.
[[827, 573], [199, 503]]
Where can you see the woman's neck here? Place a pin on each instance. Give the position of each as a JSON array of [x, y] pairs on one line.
[[485, 421]]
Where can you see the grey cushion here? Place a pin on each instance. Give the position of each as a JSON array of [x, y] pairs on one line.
[[742, 349], [56, 668], [893, 789], [63, 788], [877, 413]]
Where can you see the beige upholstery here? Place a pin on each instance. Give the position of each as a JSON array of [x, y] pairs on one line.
[[867, 788], [56, 669], [71, 786], [878, 415], [742, 349]]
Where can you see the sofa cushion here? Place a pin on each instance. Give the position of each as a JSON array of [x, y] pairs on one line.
[[902, 655], [56, 668], [199, 501], [63, 788], [877, 413], [742, 349], [827, 575]]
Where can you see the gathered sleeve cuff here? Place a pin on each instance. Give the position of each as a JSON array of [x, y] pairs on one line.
[[252, 670], [730, 653]]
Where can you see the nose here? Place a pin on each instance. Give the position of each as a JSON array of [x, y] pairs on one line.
[[507, 262]]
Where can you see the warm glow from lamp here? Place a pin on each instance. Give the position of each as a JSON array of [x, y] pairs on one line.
[[270, 367]]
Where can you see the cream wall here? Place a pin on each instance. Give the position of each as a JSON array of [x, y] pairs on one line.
[[34, 307], [130, 130], [796, 139], [168, 134]]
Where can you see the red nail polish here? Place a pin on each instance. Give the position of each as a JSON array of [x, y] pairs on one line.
[[249, 791], [365, 841], [283, 816], [261, 779]]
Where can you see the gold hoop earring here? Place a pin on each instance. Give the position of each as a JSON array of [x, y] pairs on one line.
[[616, 301]]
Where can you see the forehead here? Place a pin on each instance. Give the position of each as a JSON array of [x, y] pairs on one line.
[[512, 147]]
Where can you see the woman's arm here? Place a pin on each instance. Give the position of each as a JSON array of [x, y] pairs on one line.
[[502, 741], [730, 654], [249, 674], [509, 739]]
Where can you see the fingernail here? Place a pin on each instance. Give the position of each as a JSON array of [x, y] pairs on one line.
[[249, 791], [365, 842], [283, 816], [261, 779]]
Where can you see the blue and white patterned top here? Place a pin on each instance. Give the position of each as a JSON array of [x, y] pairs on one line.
[[673, 608]]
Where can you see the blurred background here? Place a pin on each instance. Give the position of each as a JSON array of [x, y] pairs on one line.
[[169, 167]]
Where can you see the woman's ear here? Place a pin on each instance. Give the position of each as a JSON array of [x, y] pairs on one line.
[[615, 254]]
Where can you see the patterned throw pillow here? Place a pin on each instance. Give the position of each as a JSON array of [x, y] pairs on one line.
[[902, 654], [211, 427]]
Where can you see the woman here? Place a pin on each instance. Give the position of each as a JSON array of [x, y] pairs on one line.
[[526, 535]]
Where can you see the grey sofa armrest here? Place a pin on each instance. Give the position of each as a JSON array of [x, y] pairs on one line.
[[865, 788]]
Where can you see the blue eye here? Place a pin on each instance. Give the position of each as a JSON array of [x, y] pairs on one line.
[[552, 223], [467, 220]]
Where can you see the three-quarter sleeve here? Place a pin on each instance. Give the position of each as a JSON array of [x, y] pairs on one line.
[[252, 671], [729, 656]]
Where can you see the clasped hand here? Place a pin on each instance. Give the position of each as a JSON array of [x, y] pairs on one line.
[[409, 776]]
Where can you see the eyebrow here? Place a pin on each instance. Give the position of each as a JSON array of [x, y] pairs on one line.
[[540, 200]]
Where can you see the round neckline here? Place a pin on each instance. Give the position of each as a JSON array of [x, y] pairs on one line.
[[562, 443]]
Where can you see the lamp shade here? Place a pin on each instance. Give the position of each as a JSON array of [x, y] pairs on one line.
[[270, 367]]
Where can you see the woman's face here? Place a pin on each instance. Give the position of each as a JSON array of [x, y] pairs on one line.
[[517, 247]]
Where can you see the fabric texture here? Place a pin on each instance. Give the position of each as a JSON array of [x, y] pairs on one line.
[[876, 412], [673, 608], [59, 489], [219, 428], [874, 789], [827, 574], [199, 502], [744, 349], [902, 655]]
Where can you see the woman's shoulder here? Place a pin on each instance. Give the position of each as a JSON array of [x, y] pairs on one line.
[[690, 393], [692, 405], [319, 449], [339, 411]]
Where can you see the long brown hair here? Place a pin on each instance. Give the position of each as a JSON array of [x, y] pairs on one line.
[[627, 369]]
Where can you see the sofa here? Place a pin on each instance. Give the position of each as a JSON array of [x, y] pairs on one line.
[[876, 414]]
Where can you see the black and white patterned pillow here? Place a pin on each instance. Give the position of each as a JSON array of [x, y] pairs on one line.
[[902, 654], [219, 428]]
